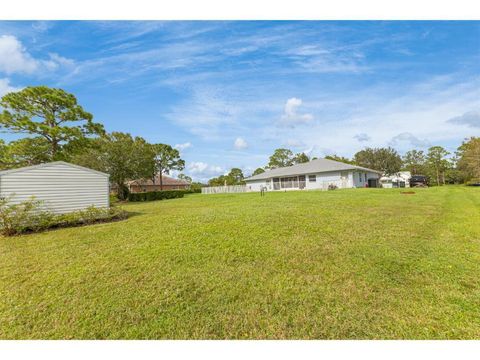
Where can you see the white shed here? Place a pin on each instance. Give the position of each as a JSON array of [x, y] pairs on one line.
[[62, 187]]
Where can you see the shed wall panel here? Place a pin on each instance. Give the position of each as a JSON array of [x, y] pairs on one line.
[[60, 187]]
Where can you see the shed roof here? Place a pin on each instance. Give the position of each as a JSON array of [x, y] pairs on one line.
[[311, 167], [45, 165]]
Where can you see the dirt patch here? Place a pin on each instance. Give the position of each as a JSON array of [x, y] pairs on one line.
[[407, 192]]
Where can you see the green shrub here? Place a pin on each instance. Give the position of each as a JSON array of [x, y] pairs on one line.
[[113, 198], [193, 191], [156, 195], [150, 196], [90, 215], [137, 196], [22, 217], [473, 182], [28, 216]]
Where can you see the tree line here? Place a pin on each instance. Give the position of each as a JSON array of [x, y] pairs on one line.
[[56, 128]]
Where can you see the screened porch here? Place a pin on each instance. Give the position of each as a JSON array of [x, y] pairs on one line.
[[291, 182]]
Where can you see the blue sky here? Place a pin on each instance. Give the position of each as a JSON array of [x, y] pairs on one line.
[[228, 93]]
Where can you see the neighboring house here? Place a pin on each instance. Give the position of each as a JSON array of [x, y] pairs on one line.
[[168, 183], [316, 174], [398, 180], [62, 187]]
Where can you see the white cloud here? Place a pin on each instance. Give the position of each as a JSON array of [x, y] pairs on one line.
[[184, 146], [330, 58], [294, 143], [362, 137], [56, 61], [388, 118], [14, 58], [5, 87], [202, 171], [240, 51], [471, 118], [291, 117], [211, 113], [408, 138], [207, 109], [240, 144], [309, 151]]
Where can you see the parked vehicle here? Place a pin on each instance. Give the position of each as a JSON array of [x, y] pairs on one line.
[[418, 181]]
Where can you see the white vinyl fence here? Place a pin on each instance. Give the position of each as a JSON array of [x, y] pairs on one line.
[[224, 189]]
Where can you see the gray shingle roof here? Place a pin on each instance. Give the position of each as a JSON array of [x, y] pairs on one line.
[[311, 167]]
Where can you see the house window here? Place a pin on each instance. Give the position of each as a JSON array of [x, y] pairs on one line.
[[312, 178], [365, 177], [360, 177]]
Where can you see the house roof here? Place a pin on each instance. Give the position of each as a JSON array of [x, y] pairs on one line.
[[311, 167], [166, 180], [44, 165]]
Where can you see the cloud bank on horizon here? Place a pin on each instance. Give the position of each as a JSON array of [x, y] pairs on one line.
[[226, 94]]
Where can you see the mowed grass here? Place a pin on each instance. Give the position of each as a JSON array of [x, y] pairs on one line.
[[345, 264]]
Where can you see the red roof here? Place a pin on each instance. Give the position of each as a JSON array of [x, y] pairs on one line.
[[166, 180]]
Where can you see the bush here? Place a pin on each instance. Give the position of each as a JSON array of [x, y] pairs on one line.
[[23, 217], [90, 215], [196, 190], [28, 216], [150, 196], [114, 199], [474, 182], [156, 195]]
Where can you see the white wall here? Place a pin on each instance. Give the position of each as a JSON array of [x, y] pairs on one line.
[[257, 184], [62, 187], [333, 177], [359, 179], [360, 183]]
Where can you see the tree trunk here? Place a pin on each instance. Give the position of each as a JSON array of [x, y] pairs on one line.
[[161, 181], [54, 148], [438, 178], [121, 190]]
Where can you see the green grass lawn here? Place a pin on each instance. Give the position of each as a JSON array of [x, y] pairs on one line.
[[345, 264]]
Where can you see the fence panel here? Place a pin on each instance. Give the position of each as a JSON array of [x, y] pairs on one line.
[[231, 189]]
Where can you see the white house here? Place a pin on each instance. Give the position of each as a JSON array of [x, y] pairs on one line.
[[315, 174], [398, 180], [62, 187]]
